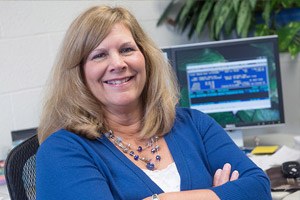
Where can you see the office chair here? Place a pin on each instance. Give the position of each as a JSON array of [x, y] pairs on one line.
[[20, 170]]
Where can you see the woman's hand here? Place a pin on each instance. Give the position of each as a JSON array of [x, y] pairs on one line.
[[223, 175]]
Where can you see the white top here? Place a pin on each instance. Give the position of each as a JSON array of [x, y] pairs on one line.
[[167, 179]]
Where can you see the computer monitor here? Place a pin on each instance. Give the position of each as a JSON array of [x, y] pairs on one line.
[[237, 82], [18, 136]]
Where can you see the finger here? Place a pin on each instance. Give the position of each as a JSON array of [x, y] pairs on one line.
[[234, 176], [217, 177], [225, 175]]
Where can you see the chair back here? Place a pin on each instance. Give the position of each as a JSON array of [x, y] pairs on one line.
[[20, 170]]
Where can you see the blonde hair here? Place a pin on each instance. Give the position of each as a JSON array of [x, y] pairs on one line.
[[69, 103]]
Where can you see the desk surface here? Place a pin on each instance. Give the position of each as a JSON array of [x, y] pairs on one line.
[[293, 196], [286, 196], [276, 139]]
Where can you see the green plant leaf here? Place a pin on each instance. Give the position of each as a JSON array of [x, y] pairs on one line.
[[214, 17], [243, 18], [189, 10], [165, 13], [262, 29], [236, 4], [202, 18], [184, 15], [294, 49], [246, 26], [229, 23], [287, 35], [185, 23], [266, 12], [194, 20], [288, 3], [224, 12], [178, 15], [276, 4], [297, 3], [252, 4]]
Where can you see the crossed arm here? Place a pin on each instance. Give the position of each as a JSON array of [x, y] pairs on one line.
[[221, 176]]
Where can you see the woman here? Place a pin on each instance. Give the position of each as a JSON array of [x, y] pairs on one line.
[[110, 128]]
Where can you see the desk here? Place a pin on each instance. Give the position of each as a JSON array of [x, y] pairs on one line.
[[276, 139], [282, 196], [294, 196]]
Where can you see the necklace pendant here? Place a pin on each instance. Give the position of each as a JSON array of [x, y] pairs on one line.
[[136, 157], [131, 153], [140, 149], [158, 158], [150, 166], [153, 150]]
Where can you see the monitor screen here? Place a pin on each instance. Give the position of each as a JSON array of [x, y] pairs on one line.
[[237, 82]]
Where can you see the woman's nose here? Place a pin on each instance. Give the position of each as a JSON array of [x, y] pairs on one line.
[[117, 63]]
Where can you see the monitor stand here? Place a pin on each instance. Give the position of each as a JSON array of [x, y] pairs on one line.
[[237, 137]]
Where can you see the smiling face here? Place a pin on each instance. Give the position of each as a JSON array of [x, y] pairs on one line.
[[115, 70]]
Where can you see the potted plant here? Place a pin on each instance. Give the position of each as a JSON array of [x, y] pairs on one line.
[[226, 19]]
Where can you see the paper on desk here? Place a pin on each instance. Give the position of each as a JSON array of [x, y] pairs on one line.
[[284, 154]]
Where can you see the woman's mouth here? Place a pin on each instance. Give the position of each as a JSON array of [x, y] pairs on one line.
[[118, 81]]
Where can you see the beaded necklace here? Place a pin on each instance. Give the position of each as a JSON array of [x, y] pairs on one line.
[[126, 148]]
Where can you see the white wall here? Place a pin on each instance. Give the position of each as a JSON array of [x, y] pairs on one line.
[[30, 34]]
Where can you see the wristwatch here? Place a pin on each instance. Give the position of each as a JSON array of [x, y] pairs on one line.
[[155, 197]]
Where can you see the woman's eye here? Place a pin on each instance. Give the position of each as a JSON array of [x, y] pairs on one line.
[[98, 56], [127, 50]]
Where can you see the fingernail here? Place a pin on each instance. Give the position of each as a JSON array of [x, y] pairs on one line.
[[218, 172], [227, 166], [235, 172]]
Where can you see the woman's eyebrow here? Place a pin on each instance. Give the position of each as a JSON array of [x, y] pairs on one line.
[[103, 49], [127, 43], [98, 49]]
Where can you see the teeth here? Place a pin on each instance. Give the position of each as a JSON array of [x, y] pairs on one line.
[[117, 82]]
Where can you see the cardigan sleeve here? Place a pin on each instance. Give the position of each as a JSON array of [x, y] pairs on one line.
[[65, 170], [253, 183]]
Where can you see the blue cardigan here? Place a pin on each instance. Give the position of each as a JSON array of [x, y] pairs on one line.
[[73, 167]]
